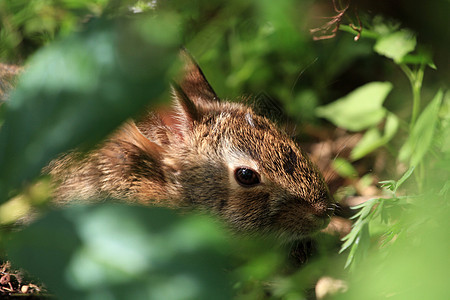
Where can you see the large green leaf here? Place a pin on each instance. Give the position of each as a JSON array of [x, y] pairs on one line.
[[75, 91], [396, 45], [360, 109], [124, 252]]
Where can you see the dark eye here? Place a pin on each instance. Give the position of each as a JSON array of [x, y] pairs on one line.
[[246, 177]]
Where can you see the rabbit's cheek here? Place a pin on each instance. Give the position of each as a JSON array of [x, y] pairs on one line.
[[248, 210]]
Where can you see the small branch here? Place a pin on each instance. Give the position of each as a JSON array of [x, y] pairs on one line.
[[416, 87], [357, 29], [415, 80], [332, 25]]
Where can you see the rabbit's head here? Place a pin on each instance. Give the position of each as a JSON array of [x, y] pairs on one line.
[[238, 164]]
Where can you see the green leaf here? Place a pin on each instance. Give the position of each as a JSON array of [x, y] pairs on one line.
[[360, 244], [366, 207], [344, 168], [404, 178], [360, 227], [351, 237], [396, 45], [421, 137], [125, 252], [76, 91], [361, 109], [394, 185], [388, 184], [372, 139], [352, 252]]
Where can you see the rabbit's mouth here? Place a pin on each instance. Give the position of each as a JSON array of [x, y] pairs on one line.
[[315, 224], [297, 223], [322, 222]]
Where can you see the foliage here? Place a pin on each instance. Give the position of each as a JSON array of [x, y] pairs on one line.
[[90, 65], [29, 24], [102, 77], [125, 251], [405, 221], [395, 45]]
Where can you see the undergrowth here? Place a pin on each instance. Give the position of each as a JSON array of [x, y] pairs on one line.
[[90, 65]]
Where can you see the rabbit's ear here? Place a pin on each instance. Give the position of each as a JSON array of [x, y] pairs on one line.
[[175, 122], [185, 114], [187, 111], [130, 134], [192, 96], [193, 83]]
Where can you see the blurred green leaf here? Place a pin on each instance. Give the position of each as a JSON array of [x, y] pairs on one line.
[[44, 249], [372, 139], [421, 137], [396, 45], [360, 109], [303, 105], [124, 252], [344, 168], [444, 115], [410, 268], [79, 89]]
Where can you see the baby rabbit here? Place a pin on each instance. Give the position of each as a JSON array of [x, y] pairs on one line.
[[208, 154]]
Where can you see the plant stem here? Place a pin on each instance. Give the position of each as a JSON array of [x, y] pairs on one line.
[[415, 79], [417, 87], [364, 33]]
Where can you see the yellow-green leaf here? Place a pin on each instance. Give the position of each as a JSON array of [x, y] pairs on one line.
[[359, 110], [396, 45]]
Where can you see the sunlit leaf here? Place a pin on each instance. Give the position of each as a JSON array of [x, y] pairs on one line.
[[360, 109], [396, 45], [372, 139]]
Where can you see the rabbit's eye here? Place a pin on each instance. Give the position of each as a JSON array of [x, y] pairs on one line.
[[246, 177]]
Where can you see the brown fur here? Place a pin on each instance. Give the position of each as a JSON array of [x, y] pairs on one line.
[[8, 77], [186, 157]]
